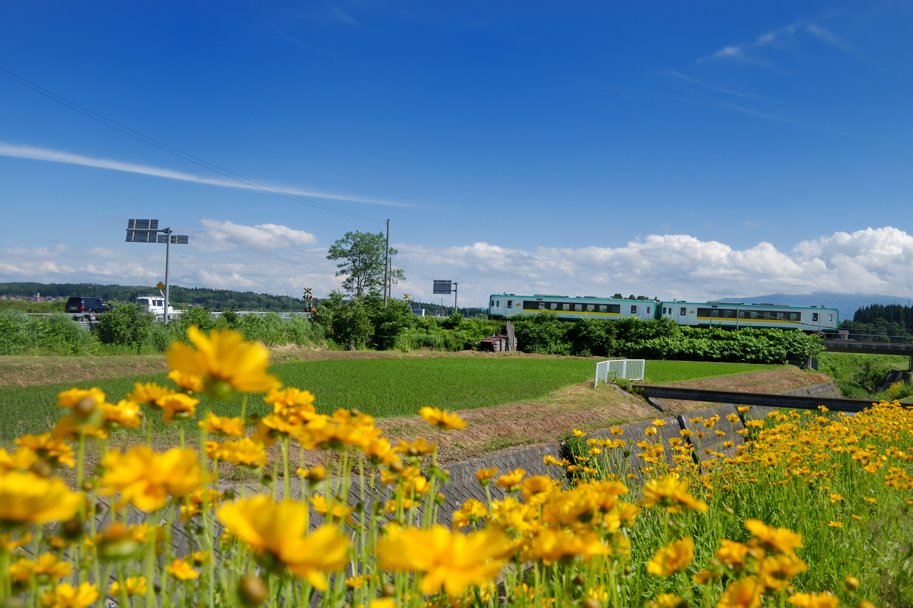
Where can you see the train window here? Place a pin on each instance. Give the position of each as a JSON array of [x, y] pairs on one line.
[[634, 309], [814, 316], [682, 311], [830, 318], [510, 303], [648, 309], [616, 308]]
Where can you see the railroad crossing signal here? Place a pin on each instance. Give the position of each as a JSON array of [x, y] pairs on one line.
[[407, 297], [309, 300]]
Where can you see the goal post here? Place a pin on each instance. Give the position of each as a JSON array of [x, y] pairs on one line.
[[628, 369]]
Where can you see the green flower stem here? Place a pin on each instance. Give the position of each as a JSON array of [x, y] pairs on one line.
[[286, 479]]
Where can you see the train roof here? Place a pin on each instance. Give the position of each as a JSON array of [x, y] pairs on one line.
[[758, 305]]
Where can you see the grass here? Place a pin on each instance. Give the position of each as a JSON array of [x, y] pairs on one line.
[[380, 387], [860, 375]]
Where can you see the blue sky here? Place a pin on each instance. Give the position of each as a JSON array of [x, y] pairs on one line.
[[692, 150]]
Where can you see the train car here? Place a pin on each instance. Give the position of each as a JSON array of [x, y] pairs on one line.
[[506, 305], [737, 315]]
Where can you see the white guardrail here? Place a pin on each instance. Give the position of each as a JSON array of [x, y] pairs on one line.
[[629, 369]]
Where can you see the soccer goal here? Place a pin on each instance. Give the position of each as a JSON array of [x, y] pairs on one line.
[[629, 369]]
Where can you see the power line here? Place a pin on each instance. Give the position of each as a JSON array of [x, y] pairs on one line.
[[160, 145]]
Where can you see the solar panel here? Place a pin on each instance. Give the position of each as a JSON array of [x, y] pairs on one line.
[[443, 287]]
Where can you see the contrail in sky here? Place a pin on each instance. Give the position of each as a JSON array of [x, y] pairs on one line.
[[68, 158]]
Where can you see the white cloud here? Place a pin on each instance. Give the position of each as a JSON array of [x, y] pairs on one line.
[[779, 38], [873, 260], [69, 158], [223, 235]]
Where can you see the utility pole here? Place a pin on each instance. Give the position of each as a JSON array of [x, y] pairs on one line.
[[387, 266]]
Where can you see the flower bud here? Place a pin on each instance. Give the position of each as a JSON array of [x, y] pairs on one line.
[[251, 590]]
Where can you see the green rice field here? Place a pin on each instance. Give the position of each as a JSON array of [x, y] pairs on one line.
[[380, 387]]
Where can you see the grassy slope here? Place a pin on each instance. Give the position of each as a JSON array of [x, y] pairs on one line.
[[381, 387]]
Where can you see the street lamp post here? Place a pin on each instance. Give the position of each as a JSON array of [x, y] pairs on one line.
[[148, 231]]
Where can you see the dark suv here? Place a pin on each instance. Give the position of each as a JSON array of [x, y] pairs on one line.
[[78, 304]]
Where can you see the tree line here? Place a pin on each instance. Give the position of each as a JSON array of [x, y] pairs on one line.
[[881, 323]]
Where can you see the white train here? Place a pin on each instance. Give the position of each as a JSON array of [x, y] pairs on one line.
[[699, 314]]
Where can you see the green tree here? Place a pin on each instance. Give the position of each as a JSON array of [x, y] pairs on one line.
[[360, 259]]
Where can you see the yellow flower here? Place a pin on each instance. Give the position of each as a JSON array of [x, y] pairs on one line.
[[147, 479], [126, 414], [223, 425], [292, 404], [671, 493], [331, 510], [814, 600], [279, 531], [484, 475], [778, 570], [742, 593], [835, 524], [244, 451], [551, 545], [442, 419], [667, 600], [851, 583], [46, 566], [314, 474], [66, 595], [777, 539], [469, 512], [26, 498], [52, 449], [181, 570], [223, 361], [448, 560], [148, 393], [178, 405], [81, 399], [672, 558], [731, 553], [188, 382], [510, 480], [134, 585]]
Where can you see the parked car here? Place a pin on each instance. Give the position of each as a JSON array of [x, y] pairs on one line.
[[79, 304]]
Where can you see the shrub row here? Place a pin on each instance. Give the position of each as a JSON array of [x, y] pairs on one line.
[[662, 339]]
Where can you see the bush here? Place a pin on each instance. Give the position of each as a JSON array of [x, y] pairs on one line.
[[126, 325]]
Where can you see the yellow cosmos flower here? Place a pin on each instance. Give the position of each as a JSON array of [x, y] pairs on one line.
[[147, 479], [484, 476], [50, 448], [223, 361], [442, 419], [26, 498], [188, 382], [148, 393], [222, 425], [469, 513], [79, 398], [134, 585], [448, 560], [292, 404], [742, 593], [245, 452], [46, 566], [126, 414], [667, 600], [314, 474], [780, 540], [672, 558], [732, 554], [778, 570], [671, 493], [66, 595], [181, 570], [279, 532], [814, 600], [537, 488], [331, 510], [510, 480], [178, 405], [550, 545]]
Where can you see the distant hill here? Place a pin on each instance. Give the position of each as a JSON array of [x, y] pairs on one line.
[[846, 303], [212, 299]]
